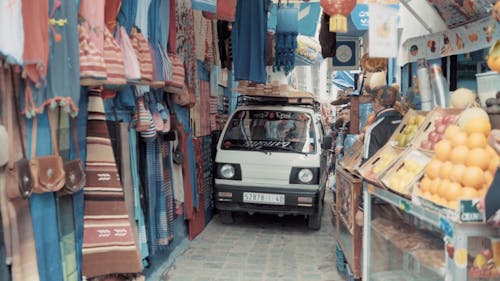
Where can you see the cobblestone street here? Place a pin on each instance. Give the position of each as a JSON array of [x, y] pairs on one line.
[[260, 247]]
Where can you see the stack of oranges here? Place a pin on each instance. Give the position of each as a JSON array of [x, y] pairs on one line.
[[463, 165]]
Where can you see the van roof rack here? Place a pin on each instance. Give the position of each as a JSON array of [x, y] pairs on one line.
[[301, 100]]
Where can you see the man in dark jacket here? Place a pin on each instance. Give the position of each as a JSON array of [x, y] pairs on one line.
[[388, 117]]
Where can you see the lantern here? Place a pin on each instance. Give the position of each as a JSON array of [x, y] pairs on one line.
[[338, 10]]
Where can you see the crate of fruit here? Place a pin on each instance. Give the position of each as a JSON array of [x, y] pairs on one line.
[[410, 126], [383, 159], [402, 176], [434, 128]]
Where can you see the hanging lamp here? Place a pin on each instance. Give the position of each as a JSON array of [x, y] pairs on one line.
[[338, 10]]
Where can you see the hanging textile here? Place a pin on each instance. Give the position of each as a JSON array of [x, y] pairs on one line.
[[126, 16], [177, 179], [92, 11], [200, 29], [205, 5], [225, 44], [327, 39], [159, 22], [286, 39], [64, 60], [225, 11], [11, 31], [167, 177], [138, 212], [172, 28], [141, 17], [111, 10], [186, 46], [197, 222], [249, 41], [108, 242]]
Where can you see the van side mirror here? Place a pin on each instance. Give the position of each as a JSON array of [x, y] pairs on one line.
[[327, 142]]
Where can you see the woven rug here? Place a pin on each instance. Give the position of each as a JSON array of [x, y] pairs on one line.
[[108, 241]]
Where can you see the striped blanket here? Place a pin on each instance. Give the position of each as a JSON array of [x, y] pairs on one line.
[[108, 241]]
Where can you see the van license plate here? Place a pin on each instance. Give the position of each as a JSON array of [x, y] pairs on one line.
[[264, 198]]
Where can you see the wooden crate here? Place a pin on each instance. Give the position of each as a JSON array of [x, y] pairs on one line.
[[349, 234], [352, 157], [404, 123], [367, 169], [409, 154], [429, 125]]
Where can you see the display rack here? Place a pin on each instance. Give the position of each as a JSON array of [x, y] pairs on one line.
[[459, 237]]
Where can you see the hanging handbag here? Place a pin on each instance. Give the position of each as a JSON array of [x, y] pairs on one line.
[[225, 11], [132, 68], [48, 171], [143, 54], [113, 58], [19, 181], [92, 65], [182, 98], [142, 115], [177, 83], [149, 134], [73, 169]]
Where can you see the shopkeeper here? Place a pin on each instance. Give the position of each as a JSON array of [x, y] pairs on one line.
[[388, 115]]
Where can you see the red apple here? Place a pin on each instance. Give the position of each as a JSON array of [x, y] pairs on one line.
[[433, 136], [426, 144], [441, 128]]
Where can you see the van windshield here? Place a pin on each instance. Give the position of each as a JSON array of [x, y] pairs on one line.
[[270, 130]]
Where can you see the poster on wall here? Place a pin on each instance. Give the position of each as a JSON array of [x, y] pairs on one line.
[[360, 17], [459, 12], [383, 34]]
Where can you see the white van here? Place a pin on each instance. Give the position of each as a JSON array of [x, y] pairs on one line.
[[269, 159]]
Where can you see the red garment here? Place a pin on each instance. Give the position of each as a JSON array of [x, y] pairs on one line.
[[111, 10], [188, 193], [172, 34], [36, 39]]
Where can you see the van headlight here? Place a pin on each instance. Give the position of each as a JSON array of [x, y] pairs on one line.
[[305, 175], [228, 171]]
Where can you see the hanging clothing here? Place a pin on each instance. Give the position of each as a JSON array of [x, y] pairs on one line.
[[249, 41], [108, 242], [126, 16], [93, 12], [141, 18], [327, 39], [11, 31], [200, 29], [167, 177], [64, 62], [36, 39], [172, 28], [178, 182], [224, 44], [186, 46], [159, 22], [111, 10]]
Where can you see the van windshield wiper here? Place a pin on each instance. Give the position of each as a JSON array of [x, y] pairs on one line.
[[280, 147]]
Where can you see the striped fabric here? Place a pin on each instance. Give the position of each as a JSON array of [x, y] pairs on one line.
[[167, 178], [178, 75], [143, 54], [113, 58], [132, 67], [92, 66], [108, 242]]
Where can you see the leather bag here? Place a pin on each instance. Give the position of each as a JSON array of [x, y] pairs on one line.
[[48, 171], [19, 181], [75, 176]]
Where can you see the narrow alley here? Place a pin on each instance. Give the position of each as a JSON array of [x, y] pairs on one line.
[[260, 247]]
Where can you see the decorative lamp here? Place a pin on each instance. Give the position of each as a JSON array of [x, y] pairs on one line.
[[338, 10]]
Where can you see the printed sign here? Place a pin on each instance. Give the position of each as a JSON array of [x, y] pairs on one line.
[[382, 34]]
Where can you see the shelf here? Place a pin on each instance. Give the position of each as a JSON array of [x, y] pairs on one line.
[[397, 275]]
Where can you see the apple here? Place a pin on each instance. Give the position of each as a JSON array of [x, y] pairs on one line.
[[448, 119], [434, 136], [441, 128], [426, 144], [438, 121]]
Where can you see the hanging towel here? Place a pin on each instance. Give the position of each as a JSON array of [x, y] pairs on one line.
[[108, 242], [249, 41]]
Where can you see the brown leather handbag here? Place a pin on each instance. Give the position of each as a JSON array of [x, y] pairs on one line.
[[75, 174], [18, 176], [48, 171]]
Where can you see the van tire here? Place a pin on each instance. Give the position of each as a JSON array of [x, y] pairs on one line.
[[314, 221], [226, 217]]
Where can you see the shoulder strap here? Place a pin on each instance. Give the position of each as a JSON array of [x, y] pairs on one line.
[[15, 87], [10, 122], [74, 132], [34, 133], [55, 145]]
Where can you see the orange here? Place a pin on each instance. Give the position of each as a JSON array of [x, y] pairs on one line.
[[495, 160], [453, 191], [459, 139], [473, 176], [456, 173], [425, 195], [435, 198], [451, 131], [443, 149], [478, 125], [445, 170], [482, 192], [441, 201], [434, 187], [478, 157], [453, 205], [488, 178], [458, 154], [476, 140], [468, 193], [425, 184], [432, 169], [443, 188]]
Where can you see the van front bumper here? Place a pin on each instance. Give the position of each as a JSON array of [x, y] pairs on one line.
[[297, 201]]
